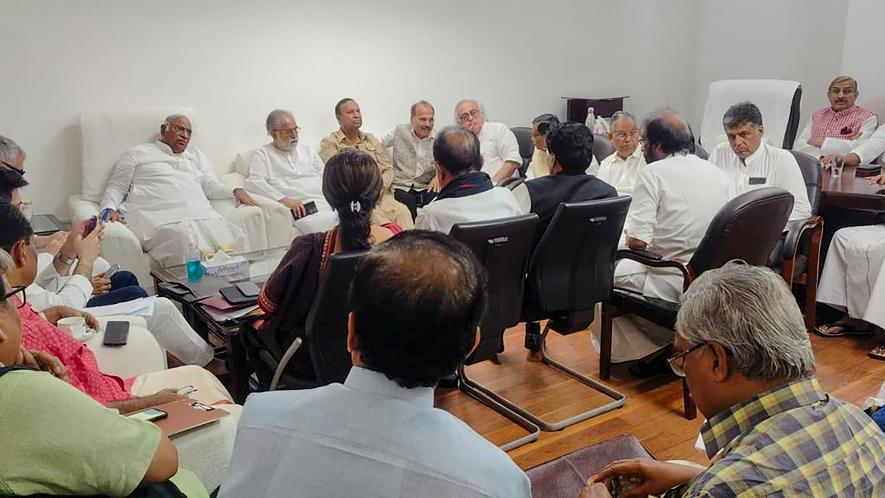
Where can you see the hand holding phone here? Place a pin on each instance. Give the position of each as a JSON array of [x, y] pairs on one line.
[[149, 415]]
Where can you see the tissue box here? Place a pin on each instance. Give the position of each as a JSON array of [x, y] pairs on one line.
[[222, 265]]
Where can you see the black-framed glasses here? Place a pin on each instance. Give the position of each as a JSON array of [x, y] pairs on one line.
[[15, 290], [677, 361], [20, 172], [288, 131]]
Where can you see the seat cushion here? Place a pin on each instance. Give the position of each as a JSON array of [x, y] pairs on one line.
[[659, 311]]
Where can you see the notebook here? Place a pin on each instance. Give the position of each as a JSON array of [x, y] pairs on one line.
[[186, 415]]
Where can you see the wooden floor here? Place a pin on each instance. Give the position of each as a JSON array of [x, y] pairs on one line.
[[653, 411]]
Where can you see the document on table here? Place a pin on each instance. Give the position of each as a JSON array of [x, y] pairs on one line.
[[137, 307]]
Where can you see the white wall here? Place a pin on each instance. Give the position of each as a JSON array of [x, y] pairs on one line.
[[797, 40], [234, 61], [862, 54]]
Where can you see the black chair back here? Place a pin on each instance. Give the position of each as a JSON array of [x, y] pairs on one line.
[[602, 147], [811, 173], [572, 267], [793, 121], [747, 228], [503, 246], [326, 327], [526, 146]]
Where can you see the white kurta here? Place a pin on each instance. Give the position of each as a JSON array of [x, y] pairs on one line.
[[767, 167], [442, 214], [674, 201], [834, 145], [622, 173], [497, 145], [165, 199], [872, 148], [853, 278], [296, 174]]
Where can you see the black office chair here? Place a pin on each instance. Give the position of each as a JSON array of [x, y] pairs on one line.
[[793, 121], [503, 246], [800, 259], [526, 147], [746, 228], [324, 334], [602, 147]]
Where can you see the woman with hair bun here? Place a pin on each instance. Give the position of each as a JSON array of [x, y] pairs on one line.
[[352, 185]]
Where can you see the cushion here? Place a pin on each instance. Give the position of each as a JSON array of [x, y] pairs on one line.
[[106, 135], [243, 161]]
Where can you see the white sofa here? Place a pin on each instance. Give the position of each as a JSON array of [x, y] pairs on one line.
[[105, 136]]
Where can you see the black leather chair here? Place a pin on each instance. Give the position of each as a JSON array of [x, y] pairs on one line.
[[503, 246], [570, 270], [602, 147], [801, 251], [526, 147], [701, 152], [793, 121], [746, 228], [324, 334]]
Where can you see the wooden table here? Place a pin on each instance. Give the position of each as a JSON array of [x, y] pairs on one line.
[[851, 192]]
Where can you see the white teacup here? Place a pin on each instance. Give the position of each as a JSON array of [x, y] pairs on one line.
[[75, 326]]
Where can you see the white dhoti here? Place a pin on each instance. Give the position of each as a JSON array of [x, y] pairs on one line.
[[205, 451], [633, 337], [320, 221], [853, 279], [169, 244], [176, 336]]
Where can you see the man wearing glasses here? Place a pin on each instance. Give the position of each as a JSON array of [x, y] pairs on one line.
[[164, 187], [622, 168], [291, 174], [500, 150], [771, 429]]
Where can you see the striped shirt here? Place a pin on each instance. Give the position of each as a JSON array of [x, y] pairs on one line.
[[795, 440]]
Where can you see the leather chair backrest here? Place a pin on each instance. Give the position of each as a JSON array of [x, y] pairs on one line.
[[747, 228], [572, 267], [602, 147], [526, 146], [811, 173], [503, 246], [326, 326]]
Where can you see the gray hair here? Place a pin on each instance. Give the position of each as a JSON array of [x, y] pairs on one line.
[[414, 109], [751, 312], [740, 113], [5, 264], [840, 79], [274, 118], [9, 150], [461, 102], [619, 115], [172, 117]]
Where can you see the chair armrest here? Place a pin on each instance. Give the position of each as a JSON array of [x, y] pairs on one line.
[[653, 260], [795, 230], [81, 208], [512, 183]]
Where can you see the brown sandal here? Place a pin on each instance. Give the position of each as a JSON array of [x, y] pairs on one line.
[[846, 329], [878, 352]]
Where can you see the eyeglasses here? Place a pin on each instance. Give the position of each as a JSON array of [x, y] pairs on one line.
[[677, 361], [14, 291], [181, 130], [621, 135], [467, 115], [20, 172], [288, 131]]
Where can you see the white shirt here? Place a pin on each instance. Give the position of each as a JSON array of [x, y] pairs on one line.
[[442, 214], [767, 167], [366, 438], [297, 174], [622, 173], [51, 289], [160, 187], [497, 145], [674, 201], [873, 147], [832, 145]]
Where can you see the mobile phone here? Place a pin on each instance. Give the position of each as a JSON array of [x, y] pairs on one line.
[[309, 209], [105, 214], [90, 226], [113, 269], [149, 415], [116, 334], [248, 289], [174, 288]]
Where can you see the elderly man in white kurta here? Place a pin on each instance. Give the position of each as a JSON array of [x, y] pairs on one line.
[[163, 190], [622, 168], [291, 174], [674, 200], [839, 128], [750, 163], [853, 280], [500, 150]]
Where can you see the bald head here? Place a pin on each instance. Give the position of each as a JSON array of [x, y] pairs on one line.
[[457, 151], [666, 133]]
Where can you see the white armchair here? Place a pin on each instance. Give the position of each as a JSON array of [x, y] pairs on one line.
[[105, 136]]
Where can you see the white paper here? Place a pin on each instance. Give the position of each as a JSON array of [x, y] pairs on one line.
[[137, 307], [227, 315]]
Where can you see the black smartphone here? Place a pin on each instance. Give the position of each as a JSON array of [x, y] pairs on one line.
[[174, 288], [90, 226], [309, 209], [249, 289], [116, 334]]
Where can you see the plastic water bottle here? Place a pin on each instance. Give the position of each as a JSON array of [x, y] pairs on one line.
[[194, 263], [590, 122]]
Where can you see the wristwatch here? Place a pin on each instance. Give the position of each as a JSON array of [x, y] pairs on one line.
[[65, 259]]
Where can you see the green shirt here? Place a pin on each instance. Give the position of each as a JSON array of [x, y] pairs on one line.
[[57, 440]]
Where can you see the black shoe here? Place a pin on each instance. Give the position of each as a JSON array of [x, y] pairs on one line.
[[450, 382]]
